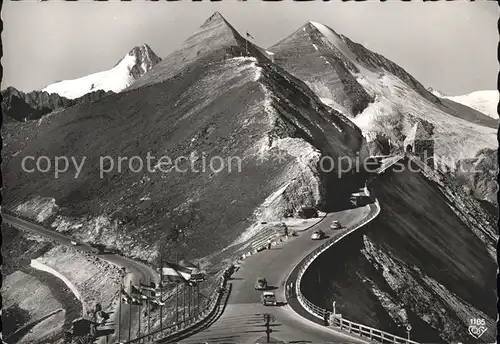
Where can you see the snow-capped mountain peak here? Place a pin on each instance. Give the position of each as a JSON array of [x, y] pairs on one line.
[[483, 101], [134, 64]]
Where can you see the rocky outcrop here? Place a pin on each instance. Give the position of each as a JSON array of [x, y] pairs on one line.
[[478, 176], [33, 105]]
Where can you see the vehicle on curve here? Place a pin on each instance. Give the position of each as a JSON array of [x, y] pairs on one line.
[[318, 235], [335, 225], [74, 243], [261, 283], [268, 298]]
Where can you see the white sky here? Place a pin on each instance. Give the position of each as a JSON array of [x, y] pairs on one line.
[[451, 46]]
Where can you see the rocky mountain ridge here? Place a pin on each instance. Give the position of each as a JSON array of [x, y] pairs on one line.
[[22, 106], [236, 106]]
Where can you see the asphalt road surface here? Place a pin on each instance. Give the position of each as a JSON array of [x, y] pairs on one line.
[[242, 321], [135, 270]]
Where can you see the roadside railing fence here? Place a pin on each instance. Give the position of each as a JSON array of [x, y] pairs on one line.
[[334, 318]]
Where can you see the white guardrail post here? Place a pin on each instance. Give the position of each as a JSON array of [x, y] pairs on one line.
[[372, 333]]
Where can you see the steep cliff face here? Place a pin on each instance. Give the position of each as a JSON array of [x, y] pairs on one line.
[[241, 126], [33, 105], [133, 65], [427, 260]]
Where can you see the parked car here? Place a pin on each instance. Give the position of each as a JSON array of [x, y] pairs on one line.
[[335, 225], [261, 283], [74, 243], [318, 235], [268, 298]]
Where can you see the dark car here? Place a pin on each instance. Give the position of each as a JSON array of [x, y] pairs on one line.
[[261, 283], [335, 225], [318, 235], [268, 298]]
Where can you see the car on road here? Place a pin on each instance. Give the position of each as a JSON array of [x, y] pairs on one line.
[[74, 243], [261, 283], [268, 298], [335, 225], [318, 235]]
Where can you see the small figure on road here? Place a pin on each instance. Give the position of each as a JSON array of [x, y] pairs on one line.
[[288, 291], [286, 230], [292, 291], [268, 244], [326, 319]]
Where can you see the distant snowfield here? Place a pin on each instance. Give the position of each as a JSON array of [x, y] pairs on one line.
[[115, 79], [483, 101]]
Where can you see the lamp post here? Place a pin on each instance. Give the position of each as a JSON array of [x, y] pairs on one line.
[[408, 329]]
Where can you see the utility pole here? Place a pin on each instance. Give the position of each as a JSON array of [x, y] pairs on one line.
[[268, 329], [161, 289], [177, 292], [130, 313], [149, 310], [120, 307], [177, 302], [184, 303], [198, 297], [139, 316], [189, 300]]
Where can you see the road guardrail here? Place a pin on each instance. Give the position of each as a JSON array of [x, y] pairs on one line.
[[205, 312], [336, 319]]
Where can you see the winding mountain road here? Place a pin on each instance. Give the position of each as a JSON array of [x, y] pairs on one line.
[[243, 317], [242, 321], [135, 270]]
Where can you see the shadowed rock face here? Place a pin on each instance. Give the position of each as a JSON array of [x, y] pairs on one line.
[[214, 104], [427, 259], [145, 60], [478, 175]]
